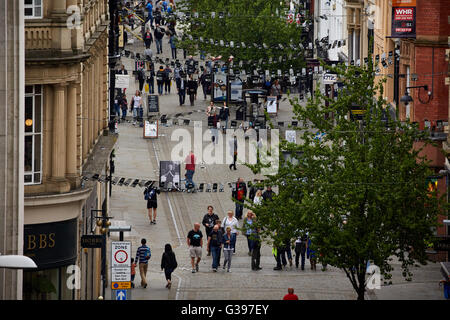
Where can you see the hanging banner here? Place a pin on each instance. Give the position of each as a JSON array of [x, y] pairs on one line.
[[403, 19]]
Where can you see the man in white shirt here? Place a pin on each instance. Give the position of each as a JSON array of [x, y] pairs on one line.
[[137, 106]]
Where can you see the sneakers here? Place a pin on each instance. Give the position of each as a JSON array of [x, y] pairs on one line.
[[228, 270], [215, 269], [277, 268], [193, 270]]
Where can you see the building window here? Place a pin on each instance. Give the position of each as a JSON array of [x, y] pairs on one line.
[[33, 135], [33, 9]]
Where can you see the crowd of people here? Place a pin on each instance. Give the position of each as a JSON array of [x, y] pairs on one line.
[[220, 235]]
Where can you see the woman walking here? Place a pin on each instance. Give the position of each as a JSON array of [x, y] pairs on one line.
[[228, 247], [168, 264], [233, 223]]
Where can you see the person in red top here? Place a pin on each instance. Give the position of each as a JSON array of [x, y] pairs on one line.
[[190, 170], [290, 295]]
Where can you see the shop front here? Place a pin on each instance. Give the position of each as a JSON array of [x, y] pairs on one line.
[[53, 247]]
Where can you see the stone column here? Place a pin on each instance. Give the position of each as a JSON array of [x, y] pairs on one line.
[[71, 136], [95, 99], [85, 113], [12, 123], [60, 184]]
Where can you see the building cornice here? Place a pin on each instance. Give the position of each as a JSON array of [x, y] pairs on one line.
[[54, 199]]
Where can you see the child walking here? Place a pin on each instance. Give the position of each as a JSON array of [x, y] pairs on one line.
[[133, 272]]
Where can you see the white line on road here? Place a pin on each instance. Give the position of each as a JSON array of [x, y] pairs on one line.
[[170, 204], [179, 285], [176, 228]]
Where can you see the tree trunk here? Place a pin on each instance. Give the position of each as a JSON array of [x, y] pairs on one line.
[[361, 293], [362, 285]]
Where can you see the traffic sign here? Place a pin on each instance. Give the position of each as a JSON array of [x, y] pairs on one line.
[[121, 254], [120, 274], [121, 285], [121, 294]]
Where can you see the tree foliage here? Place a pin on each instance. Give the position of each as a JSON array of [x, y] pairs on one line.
[[260, 22], [360, 191]]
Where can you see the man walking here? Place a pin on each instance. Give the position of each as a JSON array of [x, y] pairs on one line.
[[195, 244], [215, 245], [192, 87], [234, 151], [239, 194], [190, 170], [256, 250], [300, 250], [143, 254], [150, 194], [159, 34], [181, 86], [276, 91], [209, 221]]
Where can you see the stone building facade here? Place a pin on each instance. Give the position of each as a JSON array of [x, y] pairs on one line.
[[66, 117]]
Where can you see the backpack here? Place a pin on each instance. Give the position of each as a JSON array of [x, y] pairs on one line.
[[146, 194]]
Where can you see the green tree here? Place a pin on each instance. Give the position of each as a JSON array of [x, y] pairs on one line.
[[361, 190], [260, 22]]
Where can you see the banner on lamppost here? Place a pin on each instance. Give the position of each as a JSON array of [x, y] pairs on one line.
[[403, 19]]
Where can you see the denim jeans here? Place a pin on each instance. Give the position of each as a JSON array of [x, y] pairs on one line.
[[239, 208], [174, 53], [135, 112], [228, 255], [298, 254], [288, 252], [281, 257], [158, 45], [124, 113], [215, 256], [189, 176], [249, 242], [160, 87]]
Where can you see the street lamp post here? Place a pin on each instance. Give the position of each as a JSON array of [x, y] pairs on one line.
[[104, 223], [112, 61]]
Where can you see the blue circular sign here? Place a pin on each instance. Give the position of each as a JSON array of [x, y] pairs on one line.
[[116, 285]]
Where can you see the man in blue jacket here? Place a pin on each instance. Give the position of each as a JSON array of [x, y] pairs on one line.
[[149, 7], [143, 254]]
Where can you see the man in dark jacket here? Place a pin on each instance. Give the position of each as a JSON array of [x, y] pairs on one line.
[[268, 194], [181, 87], [209, 221], [192, 89], [239, 194], [160, 76], [159, 34]]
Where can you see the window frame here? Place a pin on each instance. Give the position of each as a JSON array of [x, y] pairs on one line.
[[33, 134], [33, 6]]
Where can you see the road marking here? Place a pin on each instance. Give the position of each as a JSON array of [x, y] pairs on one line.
[[170, 204], [179, 285]]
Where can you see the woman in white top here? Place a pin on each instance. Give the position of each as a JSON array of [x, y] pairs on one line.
[[232, 222], [258, 197]]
